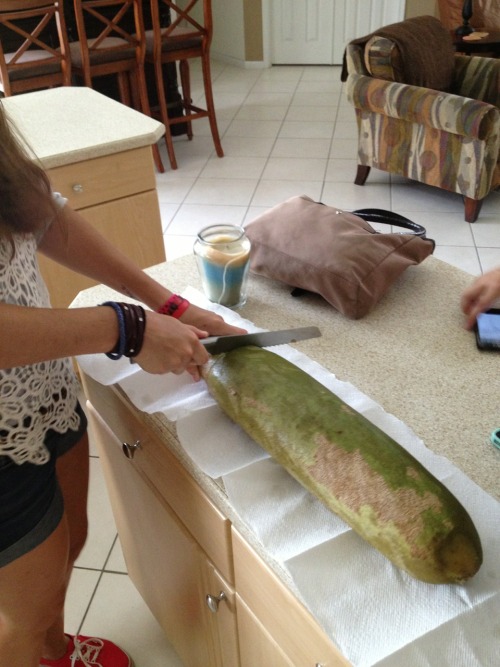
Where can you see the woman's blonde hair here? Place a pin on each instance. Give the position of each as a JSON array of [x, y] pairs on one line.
[[26, 202]]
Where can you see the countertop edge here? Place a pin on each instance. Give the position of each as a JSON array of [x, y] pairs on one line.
[[92, 152], [72, 124]]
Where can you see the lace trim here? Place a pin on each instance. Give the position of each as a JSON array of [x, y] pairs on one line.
[[35, 399], [40, 397]]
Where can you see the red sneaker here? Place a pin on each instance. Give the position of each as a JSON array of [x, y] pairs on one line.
[[90, 652]]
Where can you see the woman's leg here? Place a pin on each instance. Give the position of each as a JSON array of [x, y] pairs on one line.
[[73, 476], [32, 590]]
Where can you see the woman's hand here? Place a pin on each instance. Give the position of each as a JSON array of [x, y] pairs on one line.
[[171, 346], [211, 322], [480, 296]]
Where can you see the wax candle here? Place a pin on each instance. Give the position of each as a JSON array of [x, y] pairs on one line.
[[223, 257]]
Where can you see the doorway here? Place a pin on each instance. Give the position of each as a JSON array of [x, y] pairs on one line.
[[315, 32]]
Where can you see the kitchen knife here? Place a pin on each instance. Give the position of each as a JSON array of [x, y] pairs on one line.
[[218, 344]]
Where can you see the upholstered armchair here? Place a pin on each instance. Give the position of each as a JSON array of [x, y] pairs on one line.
[[425, 112]]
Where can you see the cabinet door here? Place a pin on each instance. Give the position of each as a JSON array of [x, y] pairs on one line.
[[157, 463], [163, 560], [290, 625], [221, 606], [257, 647]]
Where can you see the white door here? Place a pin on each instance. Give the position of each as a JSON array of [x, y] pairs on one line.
[[315, 32], [302, 31]]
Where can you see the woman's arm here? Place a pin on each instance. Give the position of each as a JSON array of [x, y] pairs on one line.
[[73, 242], [31, 335]]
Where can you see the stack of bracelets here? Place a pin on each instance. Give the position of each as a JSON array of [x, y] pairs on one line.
[[132, 324]]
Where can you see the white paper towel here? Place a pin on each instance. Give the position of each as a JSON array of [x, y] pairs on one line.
[[220, 449], [286, 518], [378, 615], [374, 610]]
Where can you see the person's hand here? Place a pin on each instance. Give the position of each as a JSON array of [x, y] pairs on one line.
[[480, 296], [208, 321], [171, 347]]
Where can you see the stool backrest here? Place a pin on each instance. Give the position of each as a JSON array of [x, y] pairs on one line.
[[194, 17], [111, 26], [34, 51]]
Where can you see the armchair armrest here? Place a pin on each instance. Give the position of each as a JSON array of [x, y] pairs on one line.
[[443, 111], [353, 62]]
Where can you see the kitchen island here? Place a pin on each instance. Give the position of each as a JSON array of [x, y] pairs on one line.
[[211, 573], [97, 153]]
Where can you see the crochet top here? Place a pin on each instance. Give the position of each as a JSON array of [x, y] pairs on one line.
[[37, 397]]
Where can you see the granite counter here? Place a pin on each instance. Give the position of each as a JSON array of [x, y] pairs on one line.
[[414, 358], [411, 355], [73, 124]]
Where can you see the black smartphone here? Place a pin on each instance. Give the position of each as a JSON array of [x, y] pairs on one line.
[[488, 330]]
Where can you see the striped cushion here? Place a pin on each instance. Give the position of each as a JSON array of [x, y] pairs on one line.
[[383, 60]]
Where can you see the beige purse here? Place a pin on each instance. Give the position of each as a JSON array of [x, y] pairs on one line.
[[336, 254]]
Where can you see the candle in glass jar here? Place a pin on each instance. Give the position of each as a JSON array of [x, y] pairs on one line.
[[223, 258]]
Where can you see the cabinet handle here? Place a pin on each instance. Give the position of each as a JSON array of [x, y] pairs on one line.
[[129, 450], [78, 187], [214, 600]]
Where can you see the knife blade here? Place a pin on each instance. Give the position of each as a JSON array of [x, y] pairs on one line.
[[219, 344]]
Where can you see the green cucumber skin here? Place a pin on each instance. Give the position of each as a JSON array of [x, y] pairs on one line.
[[353, 467]]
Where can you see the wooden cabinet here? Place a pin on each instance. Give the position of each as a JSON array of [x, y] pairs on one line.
[[274, 614], [257, 647], [273, 628], [117, 194], [218, 602], [166, 564]]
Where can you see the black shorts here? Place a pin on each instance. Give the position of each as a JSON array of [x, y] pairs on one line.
[[31, 504]]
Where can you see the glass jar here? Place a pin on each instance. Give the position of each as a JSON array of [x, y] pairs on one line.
[[223, 257]]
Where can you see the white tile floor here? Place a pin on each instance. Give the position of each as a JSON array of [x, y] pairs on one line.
[[285, 131]]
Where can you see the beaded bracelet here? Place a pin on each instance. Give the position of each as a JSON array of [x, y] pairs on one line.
[[135, 323], [131, 326], [174, 306], [118, 350]]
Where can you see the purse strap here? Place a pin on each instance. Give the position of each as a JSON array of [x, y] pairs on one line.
[[390, 218]]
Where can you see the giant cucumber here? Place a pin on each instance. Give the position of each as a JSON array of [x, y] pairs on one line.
[[352, 466]]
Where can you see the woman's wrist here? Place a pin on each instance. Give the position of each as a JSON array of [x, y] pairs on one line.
[[174, 306], [131, 327]]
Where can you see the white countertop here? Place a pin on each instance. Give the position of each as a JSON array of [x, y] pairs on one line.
[[71, 124], [413, 356]]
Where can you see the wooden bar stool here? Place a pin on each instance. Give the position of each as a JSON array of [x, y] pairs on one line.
[[188, 35], [111, 41], [34, 51]]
